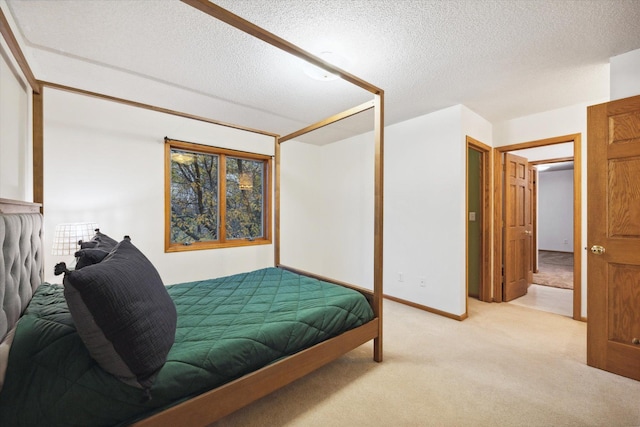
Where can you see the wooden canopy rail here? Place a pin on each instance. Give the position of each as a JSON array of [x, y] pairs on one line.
[[333, 119], [14, 47], [243, 25], [217, 403]]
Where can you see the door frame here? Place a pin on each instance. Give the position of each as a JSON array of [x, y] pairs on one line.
[[486, 203], [576, 139]]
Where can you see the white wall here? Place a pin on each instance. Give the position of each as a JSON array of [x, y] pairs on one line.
[[476, 126], [303, 203], [16, 158], [327, 208], [327, 219], [104, 162], [555, 211], [625, 75], [348, 180], [424, 205], [547, 152]]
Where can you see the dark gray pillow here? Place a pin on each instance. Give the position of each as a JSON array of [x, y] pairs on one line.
[[95, 250], [99, 240], [89, 256], [123, 313]]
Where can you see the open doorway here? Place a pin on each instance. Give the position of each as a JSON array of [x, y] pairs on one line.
[[478, 220], [552, 284], [572, 227]]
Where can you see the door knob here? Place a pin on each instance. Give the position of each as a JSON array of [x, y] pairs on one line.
[[635, 341], [597, 249]]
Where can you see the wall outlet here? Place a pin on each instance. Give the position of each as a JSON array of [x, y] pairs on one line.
[[423, 282], [400, 277], [566, 242]]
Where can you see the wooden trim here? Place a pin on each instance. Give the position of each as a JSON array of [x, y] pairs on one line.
[[556, 160], [222, 200], [466, 234], [333, 119], [534, 218], [14, 47], [276, 237], [498, 228], [426, 308], [224, 400], [206, 149], [38, 148], [487, 236], [151, 107], [378, 220], [480, 146], [267, 201], [167, 196], [9, 206], [577, 227], [222, 155], [576, 139], [537, 143], [264, 35]]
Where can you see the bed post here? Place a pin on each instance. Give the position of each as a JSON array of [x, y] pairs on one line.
[[378, 220], [276, 239]]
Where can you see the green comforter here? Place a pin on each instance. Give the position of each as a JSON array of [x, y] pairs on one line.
[[226, 328]]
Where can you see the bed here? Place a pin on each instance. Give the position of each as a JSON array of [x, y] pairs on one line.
[[238, 337], [21, 275]]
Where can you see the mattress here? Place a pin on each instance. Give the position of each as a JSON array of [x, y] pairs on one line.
[[227, 327]]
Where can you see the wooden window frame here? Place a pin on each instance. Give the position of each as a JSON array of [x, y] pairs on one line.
[[222, 241]]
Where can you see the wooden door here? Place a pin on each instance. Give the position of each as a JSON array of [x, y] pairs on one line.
[[613, 237], [517, 228], [532, 199]]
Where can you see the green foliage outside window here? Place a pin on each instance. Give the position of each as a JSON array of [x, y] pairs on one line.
[[194, 197], [244, 198], [207, 208]]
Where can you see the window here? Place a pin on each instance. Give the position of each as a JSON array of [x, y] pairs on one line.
[[215, 197]]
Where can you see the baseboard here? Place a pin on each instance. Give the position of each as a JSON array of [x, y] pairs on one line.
[[426, 308]]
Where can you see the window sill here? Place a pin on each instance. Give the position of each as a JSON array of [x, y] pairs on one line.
[[215, 245]]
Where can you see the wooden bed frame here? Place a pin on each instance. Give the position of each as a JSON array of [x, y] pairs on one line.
[[217, 403]]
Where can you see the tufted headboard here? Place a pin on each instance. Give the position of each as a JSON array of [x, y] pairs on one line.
[[22, 259]]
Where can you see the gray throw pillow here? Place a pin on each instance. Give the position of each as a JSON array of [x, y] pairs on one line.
[[123, 313], [95, 250]]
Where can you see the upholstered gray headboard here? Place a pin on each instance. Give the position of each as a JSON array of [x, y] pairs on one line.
[[21, 262]]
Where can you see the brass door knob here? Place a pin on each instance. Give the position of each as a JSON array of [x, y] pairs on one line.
[[635, 341], [597, 249]]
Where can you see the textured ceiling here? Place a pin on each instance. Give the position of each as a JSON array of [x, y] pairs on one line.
[[502, 59]]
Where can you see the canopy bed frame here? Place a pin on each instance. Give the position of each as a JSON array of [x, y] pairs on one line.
[[219, 402]]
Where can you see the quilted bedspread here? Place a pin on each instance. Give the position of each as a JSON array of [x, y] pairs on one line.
[[226, 327]]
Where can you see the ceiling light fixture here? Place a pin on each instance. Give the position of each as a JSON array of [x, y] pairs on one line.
[[321, 74]]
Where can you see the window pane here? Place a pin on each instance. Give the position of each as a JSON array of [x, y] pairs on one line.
[[245, 180], [194, 197]]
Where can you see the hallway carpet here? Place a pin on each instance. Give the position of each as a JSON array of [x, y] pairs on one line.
[[505, 365], [555, 269]]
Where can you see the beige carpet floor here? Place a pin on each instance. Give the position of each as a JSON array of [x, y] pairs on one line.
[[554, 269], [505, 365]]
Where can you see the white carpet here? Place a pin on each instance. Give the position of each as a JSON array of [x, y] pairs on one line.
[[506, 365]]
